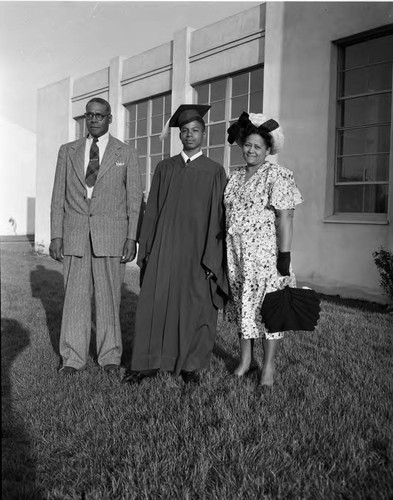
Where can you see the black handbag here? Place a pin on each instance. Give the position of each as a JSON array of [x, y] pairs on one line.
[[291, 309]]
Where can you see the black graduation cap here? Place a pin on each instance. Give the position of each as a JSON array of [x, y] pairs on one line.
[[185, 113], [291, 309]]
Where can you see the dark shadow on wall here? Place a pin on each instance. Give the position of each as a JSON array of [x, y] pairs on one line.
[[18, 462], [30, 216], [47, 285]]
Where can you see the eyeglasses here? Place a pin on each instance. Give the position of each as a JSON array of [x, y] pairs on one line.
[[99, 117]]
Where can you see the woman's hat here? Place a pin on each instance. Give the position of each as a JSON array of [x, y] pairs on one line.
[[184, 114], [260, 122]]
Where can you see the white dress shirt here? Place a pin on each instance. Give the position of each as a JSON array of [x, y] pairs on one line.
[[102, 144], [191, 158]]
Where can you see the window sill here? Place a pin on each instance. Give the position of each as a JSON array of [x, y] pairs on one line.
[[352, 218]]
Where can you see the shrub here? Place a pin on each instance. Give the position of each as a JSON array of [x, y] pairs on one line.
[[384, 262]]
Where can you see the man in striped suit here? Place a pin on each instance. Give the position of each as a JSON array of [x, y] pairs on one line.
[[95, 209]]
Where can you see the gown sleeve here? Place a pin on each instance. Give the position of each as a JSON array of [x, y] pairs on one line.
[[149, 222], [284, 194], [213, 259]]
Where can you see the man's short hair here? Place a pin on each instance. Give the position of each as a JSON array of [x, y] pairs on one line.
[[101, 101]]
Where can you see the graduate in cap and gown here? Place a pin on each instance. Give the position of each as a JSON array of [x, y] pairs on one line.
[[181, 256]]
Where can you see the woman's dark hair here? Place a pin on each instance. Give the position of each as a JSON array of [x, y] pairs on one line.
[[261, 131]]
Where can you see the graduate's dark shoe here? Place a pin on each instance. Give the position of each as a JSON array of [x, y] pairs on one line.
[[132, 377], [67, 370], [190, 377], [111, 368]]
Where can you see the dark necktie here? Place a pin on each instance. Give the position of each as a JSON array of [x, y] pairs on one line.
[[188, 161], [94, 164]]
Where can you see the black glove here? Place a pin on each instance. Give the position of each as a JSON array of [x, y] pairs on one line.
[[283, 261]]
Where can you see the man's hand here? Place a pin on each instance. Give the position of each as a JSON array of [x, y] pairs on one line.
[[129, 251], [56, 249]]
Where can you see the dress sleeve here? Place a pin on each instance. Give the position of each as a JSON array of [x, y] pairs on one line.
[[284, 193]]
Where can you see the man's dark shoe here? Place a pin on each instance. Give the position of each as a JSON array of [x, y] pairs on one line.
[[111, 368], [190, 377], [67, 370], [132, 377]]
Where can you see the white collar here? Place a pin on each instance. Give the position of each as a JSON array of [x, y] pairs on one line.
[[103, 139], [191, 158]]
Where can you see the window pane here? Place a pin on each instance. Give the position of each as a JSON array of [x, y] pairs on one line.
[[141, 127], [217, 111], [240, 84], [157, 106], [217, 154], [142, 110], [167, 145], [203, 93], [156, 124], [155, 160], [217, 134], [256, 84], [361, 199], [367, 80], [239, 104], [350, 169], [141, 146], [376, 199], [131, 143], [256, 102], [217, 90], [168, 101], [155, 145], [366, 110], [131, 113], [236, 156], [364, 140], [130, 129], [369, 52]]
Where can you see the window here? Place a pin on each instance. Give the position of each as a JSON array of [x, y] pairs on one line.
[[144, 123], [80, 127], [363, 126], [228, 98]]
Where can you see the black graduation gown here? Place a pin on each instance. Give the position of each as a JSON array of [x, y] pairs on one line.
[[182, 236]]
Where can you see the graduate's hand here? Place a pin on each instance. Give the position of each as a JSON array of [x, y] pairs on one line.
[[56, 249], [129, 251]]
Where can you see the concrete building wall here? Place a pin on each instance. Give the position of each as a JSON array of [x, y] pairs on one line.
[[54, 127], [299, 78], [294, 42], [17, 180]]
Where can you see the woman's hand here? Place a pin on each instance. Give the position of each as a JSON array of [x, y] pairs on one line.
[[283, 262]]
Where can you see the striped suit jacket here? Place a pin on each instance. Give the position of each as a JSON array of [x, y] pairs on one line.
[[114, 210]]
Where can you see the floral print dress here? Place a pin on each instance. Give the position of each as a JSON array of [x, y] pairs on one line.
[[252, 243]]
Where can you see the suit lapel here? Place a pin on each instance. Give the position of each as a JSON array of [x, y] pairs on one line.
[[110, 156], [77, 155]]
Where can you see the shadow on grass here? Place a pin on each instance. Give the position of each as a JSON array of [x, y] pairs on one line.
[[128, 304], [362, 305], [47, 285], [18, 464], [229, 360]]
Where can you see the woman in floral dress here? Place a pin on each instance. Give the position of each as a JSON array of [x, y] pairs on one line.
[[259, 199]]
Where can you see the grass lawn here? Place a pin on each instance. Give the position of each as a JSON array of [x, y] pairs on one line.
[[324, 433]]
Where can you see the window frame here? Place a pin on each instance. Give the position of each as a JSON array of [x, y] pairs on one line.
[[227, 109], [148, 136], [333, 128]]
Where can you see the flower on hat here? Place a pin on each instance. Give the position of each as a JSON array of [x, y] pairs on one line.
[[259, 121]]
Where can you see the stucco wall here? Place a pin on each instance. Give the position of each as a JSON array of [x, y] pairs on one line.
[[231, 45], [336, 258], [54, 127], [17, 179]]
